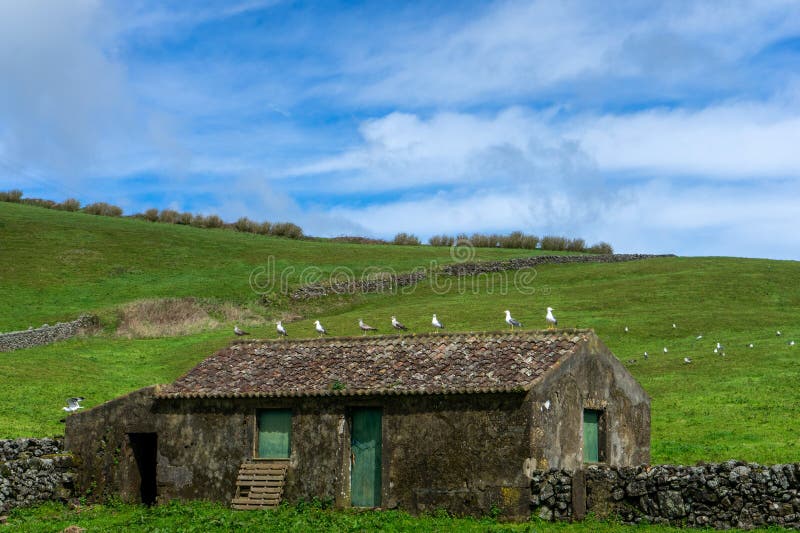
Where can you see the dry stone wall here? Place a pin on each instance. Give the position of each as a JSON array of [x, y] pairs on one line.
[[719, 495], [393, 282], [46, 334], [34, 471]]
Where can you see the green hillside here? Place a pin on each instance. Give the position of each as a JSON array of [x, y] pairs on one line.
[[745, 405]]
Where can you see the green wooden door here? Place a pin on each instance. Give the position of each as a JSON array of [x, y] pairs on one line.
[[274, 433], [365, 448], [591, 436]]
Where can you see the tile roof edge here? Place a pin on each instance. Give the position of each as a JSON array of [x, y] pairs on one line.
[[341, 393]]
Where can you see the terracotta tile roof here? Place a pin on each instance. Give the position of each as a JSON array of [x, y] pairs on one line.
[[401, 364]]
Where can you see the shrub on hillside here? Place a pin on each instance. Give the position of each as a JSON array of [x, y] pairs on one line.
[[70, 204], [601, 248], [151, 215], [246, 225], [407, 239], [287, 229], [184, 219], [576, 245], [441, 240], [168, 216], [553, 243], [38, 202], [103, 209], [14, 195], [264, 228], [355, 239]]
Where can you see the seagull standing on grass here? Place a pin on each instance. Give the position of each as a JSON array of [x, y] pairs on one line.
[[687, 361], [239, 332], [319, 328], [511, 322], [665, 349], [436, 324], [398, 325], [281, 329], [674, 326], [73, 404], [365, 327], [551, 320], [791, 343], [750, 345], [778, 333], [626, 329], [646, 357]]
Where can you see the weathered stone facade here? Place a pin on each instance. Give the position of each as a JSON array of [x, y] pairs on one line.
[[17, 340], [720, 495], [33, 471], [467, 452]]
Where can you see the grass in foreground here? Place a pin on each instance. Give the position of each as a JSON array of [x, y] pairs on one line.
[[203, 516]]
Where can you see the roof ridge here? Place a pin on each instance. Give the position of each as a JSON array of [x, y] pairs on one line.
[[535, 333]]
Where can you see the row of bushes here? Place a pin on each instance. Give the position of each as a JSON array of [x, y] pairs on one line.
[[168, 216], [519, 240]]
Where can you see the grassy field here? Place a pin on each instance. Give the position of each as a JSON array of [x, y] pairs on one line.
[[56, 265], [203, 516], [745, 405]]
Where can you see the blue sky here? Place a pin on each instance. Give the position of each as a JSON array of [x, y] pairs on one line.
[[659, 127]]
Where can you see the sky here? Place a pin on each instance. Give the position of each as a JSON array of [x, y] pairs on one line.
[[660, 127]]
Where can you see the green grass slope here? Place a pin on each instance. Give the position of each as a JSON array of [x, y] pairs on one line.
[[745, 405], [55, 265]]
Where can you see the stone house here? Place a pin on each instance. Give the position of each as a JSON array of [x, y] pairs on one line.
[[417, 422]]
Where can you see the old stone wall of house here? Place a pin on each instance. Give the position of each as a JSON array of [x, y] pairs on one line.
[[17, 340], [33, 471], [591, 379], [720, 495]]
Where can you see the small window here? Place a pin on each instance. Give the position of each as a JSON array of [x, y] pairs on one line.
[[593, 437], [274, 433]]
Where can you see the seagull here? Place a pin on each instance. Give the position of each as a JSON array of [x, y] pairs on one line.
[[510, 321], [778, 333], [73, 404], [687, 361], [626, 329], [646, 357], [398, 325], [435, 322], [716, 350], [365, 327], [674, 326], [551, 320], [281, 329], [699, 337], [319, 328], [791, 343], [750, 345], [239, 332], [719, 346], [665, 349]]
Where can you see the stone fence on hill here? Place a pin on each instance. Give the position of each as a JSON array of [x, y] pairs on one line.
[[719, 495], [46, 334], [391, 282], [34, 471]]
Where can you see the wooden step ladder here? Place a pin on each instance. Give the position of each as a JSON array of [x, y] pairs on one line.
[[260, 485]]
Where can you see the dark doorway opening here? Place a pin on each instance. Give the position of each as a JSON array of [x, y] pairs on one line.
[[144, 446]]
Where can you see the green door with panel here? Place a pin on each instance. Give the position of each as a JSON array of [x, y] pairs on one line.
[[365, 458], [591, 436]]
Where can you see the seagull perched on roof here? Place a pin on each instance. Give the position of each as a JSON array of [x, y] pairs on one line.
[[365, 327], [73, 404], [397, 324], [551, 320], [687, 360], [319, 328], [281, 329], [510, 321], [435, 323], [239, 332]]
